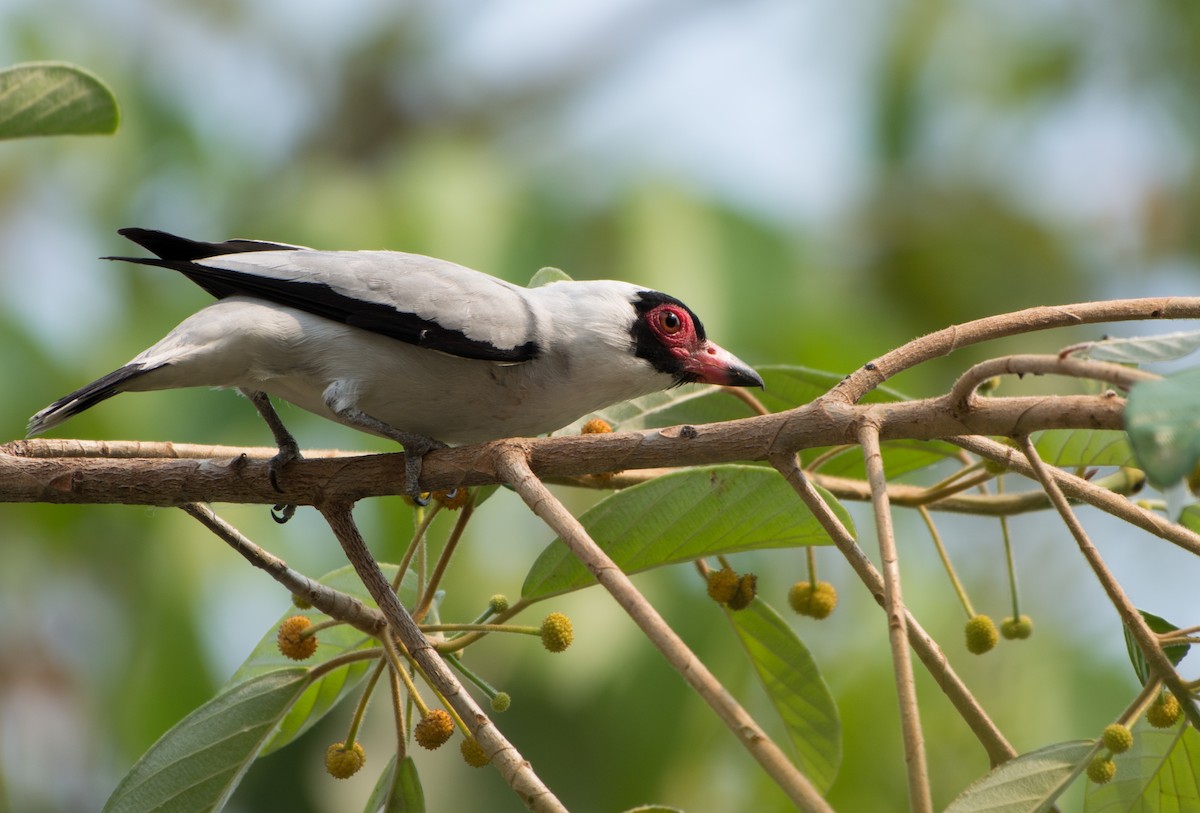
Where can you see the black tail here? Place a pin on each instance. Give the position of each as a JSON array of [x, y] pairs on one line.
[[172, 247], [181, 254], [84, 398]]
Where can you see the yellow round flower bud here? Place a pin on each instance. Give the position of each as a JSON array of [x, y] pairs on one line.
[[1117, 738], [292, 640], [473, 753], [1164, 712], [342, 762], [722, 585], [981, 634], [1101, 769], [557, 633], [747, 588], [1016, 628], [434, 729]]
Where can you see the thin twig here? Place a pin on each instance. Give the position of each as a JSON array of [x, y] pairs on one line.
[[1145, 637], [516, 771], [1077, 488], [1118, 375], [333, 603], [1046, 317], [515, 469], [919, 797], [993, 741], [963, 598], [439, 569]]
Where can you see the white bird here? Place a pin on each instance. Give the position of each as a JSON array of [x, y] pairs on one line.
[[408, 347]]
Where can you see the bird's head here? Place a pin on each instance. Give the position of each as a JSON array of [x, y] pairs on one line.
[[668, 335]]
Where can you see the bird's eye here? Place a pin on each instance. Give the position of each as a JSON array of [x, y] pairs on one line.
[[669, 322]]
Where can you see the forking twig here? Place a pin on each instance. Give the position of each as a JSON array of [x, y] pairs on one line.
[[516, 771]]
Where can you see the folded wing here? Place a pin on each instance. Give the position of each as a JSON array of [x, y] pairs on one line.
[[420, 300]]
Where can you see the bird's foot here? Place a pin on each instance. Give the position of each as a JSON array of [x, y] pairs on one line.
[[415, 446], [289, 450], [288, 453], [415, 449]]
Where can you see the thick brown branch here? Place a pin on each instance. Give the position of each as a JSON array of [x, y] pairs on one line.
[[26, 475]]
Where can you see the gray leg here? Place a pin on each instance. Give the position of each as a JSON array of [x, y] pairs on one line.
[[289, 450], [415, 446]]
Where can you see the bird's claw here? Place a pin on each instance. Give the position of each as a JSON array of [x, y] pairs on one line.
[[414, 456], [288, 453]]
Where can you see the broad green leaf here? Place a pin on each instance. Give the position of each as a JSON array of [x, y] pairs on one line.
[[197, 764], [54, 98], [1028, 784], [325, 692], [1159, 625], [1085, 447], [683, 516], [397, 791], [1160, 773], [1142, 349], [795, 688], [547, 275], [1163, 421]]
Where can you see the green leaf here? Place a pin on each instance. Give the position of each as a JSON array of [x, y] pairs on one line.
[[786, 387], [900, 457], [547, 275], [1142, 349], [1028, 784], [1163, 422], [197, 764], [1160, 773], [54, 98], [795, 688], [1085, 447], [1159, 625], [325, 692], [397, 791], [683, 516]]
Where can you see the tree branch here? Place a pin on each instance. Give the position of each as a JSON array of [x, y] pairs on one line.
[[30, 473], [947, 340], [997, 747], [515, 469], [919, 797], [1146, 638], [333, 603], [516, 771]]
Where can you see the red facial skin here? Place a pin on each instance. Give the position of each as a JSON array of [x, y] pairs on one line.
[[701, 359]]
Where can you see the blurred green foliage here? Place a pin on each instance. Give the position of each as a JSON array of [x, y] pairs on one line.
[[1006, 155]]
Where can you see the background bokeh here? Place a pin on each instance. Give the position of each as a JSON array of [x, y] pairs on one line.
[[820, 181]]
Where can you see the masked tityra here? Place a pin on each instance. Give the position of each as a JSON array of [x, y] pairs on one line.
[[419, 350]]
